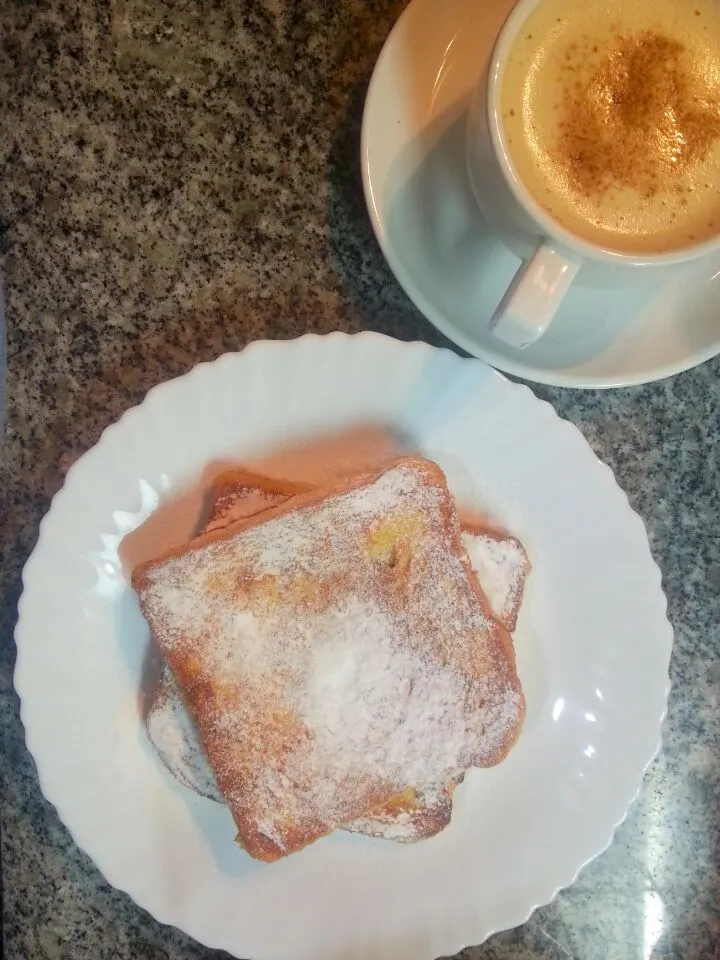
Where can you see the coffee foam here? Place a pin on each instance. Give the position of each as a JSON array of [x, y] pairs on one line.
[[611, 113]]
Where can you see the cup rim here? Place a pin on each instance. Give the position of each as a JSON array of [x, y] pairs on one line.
[[551, 227]]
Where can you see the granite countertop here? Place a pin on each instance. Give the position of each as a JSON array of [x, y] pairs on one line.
[[177, 180]]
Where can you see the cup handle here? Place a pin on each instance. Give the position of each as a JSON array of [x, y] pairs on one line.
[[532, 299]]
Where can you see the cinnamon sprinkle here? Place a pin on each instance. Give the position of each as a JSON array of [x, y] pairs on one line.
[[640, 121]]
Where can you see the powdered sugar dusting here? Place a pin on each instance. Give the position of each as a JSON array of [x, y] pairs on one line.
[[175, 737], [267, 829], [429, 813], [238, 504], [348, 654], [370, 701], [173, 734], [177, 741], [500, 564], [401, 827]]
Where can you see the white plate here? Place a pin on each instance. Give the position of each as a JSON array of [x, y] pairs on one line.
[[447, 260], [593, 646]]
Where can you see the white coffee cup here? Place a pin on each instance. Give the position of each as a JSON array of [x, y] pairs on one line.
[[551, 255]]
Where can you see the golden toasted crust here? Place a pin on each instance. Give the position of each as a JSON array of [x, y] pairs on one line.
[[396, 555]]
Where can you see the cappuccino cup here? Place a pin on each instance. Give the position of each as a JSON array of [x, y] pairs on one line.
[[593, 142]]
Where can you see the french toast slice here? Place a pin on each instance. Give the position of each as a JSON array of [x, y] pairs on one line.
[[333, 650], [412, 815], [502, 566]]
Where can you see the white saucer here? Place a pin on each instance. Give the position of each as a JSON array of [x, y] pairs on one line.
[[449, 263]]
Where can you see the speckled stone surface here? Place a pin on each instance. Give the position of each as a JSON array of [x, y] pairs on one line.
[[179, 178]]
